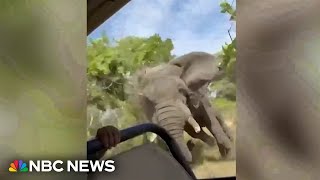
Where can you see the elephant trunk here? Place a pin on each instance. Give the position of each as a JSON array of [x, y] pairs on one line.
[[173, 119]]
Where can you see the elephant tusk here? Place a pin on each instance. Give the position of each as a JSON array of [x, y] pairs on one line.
[[197, 129], [194, 124]]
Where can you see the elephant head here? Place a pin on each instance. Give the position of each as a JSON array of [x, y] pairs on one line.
[[165, 95]]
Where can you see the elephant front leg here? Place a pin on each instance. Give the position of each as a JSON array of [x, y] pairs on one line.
[[223, 141]]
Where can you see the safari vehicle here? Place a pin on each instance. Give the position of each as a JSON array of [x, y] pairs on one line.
[[147, 161]]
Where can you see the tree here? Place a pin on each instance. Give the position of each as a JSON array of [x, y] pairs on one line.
[[109, 67], [229, 49], [225, 89]]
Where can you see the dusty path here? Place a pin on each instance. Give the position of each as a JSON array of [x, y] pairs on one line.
[[211, 169]]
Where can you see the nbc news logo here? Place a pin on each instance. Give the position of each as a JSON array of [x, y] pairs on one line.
[[57, 166], [18, 166]]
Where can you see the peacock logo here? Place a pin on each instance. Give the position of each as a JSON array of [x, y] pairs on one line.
[[18, 166]]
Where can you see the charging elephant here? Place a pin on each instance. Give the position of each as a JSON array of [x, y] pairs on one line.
[[173, 96], [165, 96], [200, 69]]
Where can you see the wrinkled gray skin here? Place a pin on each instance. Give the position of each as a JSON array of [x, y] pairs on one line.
[[166, 93], [199, 69], [173, 95]]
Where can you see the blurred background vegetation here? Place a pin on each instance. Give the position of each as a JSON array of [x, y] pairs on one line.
[[42, 76], [111, 64]]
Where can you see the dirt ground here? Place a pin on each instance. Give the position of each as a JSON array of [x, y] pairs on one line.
[[215, 168], [208, 163]]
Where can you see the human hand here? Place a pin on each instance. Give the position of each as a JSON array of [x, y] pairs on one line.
[[109, 136]]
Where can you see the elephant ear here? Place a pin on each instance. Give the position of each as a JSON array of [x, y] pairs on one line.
[[163, 70], [199, 68]]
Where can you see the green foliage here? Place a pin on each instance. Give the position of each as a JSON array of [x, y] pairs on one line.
[[109, 66], [137, 52], [127, 56], [229, 51], [225, 89], [225, 107], [227, 8]]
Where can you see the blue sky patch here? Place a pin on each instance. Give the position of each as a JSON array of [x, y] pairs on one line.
[[193, 25]]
